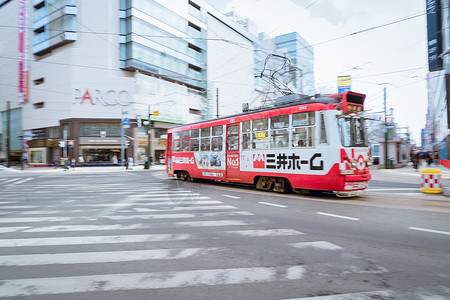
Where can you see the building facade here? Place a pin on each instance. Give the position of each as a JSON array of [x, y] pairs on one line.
[[436, 137], [90, 86]]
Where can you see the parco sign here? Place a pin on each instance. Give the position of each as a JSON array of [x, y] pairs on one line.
[[96, 96]]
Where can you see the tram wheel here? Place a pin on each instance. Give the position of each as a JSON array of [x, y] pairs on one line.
[[184, 176], [265, 183], [282, 185]]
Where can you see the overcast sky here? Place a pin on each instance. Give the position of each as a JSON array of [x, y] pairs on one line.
[[395, 54]]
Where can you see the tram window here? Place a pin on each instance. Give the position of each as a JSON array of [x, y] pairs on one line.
[[194, 133], [303, 137], [279, 139], [246, 126], [260, 140], [303, 119], [360, 139], [216, 144], [246, 141], [206, 131], [176, 146], [205, 144], [233, 143], [345, 131], [185, 134], [184, 145], [194, 144], [260, 124], [278, 122], [233, 129], [176, 135], [217, 130], [323, 131]]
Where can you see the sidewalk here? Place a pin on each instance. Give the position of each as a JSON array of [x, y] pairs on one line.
[[82, 169], [411, 175]]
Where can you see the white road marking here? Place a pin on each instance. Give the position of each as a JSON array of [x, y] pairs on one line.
[[139, 281], [102, 257], [12, 229], [177, 208], [337, 216], [272, 204], [64, 228], [137, 238], [36, 219], [232, 197], [359, 296], [393, 189], [318, 245], [429, 230], [152, 203], [179, 216]]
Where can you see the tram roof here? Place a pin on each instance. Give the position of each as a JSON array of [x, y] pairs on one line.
[[281, 102]]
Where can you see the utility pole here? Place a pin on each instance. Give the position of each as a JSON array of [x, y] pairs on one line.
[[122, 139], [8, 132], [148, 126], [385, 133]]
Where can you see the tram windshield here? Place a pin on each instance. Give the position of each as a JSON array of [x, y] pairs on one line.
[[352, 132]]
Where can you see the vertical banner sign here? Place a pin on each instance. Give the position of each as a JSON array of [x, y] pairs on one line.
[[22, 55], [434, 32], [344, 83], [447, 85]]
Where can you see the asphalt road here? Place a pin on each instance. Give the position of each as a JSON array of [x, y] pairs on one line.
[[116, 234]]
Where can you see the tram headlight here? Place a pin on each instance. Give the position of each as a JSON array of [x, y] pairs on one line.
[[353, 163], [368, 161]]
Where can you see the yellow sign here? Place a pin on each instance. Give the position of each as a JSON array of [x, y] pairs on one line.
[[344, 81], [261, 135], [155, 113]]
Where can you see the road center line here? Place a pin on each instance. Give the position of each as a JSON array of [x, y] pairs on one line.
[[337, 216], [272, 204], [429, 230], [233, 197]]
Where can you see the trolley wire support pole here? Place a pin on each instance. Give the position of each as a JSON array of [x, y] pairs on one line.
[[217, 102], [148, 126], [122, 140], [8, 133], [386, 163]]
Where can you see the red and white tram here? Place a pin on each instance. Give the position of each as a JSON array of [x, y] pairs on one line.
[[301, 143]]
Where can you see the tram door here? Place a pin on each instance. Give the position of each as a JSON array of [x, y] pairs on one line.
[[169, 150], [232, 152]]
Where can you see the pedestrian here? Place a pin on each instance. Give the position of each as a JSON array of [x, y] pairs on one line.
[[415, 161], [130, 162], [436, 158], [81, 160]]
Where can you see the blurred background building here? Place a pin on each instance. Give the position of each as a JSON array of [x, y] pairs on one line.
[[435, 137], [71, 74]]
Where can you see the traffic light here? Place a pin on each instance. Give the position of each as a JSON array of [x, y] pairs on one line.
[[127, 143], [139, 121], [70, 144]]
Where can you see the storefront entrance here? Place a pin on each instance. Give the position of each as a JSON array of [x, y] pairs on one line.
[[100, 155]]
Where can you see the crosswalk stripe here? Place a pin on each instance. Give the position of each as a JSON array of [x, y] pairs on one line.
[[179, 216], [103, 257], [155, 280], [23, 181], [359, 296], [156, 203], [317, 245], [139, 226], [36, 219], [137, 238]]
